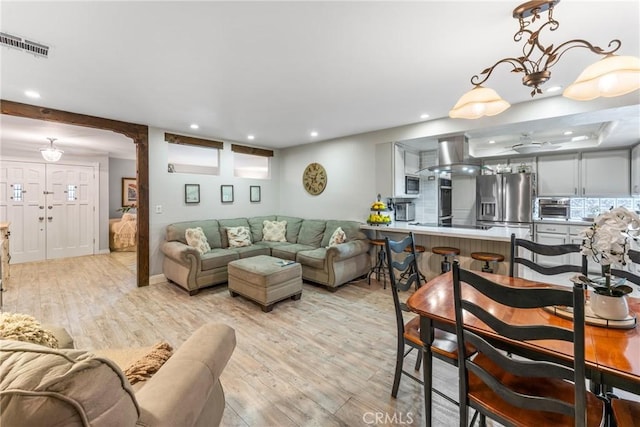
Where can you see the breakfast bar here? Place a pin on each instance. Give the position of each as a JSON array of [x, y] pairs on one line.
[[467, 238]]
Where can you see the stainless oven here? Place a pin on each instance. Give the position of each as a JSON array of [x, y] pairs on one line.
[[554, 208], [444, 199]]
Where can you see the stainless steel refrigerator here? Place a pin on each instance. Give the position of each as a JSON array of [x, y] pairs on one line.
[[505, 199]]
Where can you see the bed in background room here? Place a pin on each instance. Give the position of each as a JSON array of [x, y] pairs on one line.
[[122, 233]]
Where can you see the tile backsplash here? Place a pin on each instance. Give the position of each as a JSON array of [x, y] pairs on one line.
[[591, 207]]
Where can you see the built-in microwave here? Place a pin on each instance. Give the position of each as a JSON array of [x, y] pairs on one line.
[[555, 208], [411, 185]]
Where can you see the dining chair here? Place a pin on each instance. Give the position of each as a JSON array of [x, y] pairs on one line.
[[401, 257], [515, 391], [545, 250], [625, 412], [634, 256]]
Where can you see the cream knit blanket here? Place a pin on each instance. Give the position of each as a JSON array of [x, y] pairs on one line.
[[22, 327]]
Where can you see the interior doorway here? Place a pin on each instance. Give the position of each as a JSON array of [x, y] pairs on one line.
[[139, 134]]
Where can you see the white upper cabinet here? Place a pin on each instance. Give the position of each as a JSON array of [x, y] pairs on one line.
[[605, 174], [558, 175], [411, 163], [635, 170]]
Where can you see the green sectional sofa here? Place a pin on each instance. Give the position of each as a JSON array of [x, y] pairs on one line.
[[307, 242]]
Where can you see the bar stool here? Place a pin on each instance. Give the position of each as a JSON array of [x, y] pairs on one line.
[[419, 249], [380, 269], [445, 251], [487, 257]]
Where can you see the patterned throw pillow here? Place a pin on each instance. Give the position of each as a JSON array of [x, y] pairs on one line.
[[274, 231], [196, 238], [239, 237], [337, 237]]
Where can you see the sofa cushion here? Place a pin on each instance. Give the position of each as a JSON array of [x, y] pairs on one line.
[[311, 232], [315, 258], [288, 250], [251, 251], [274, 231], [293, 227], [176, 231], [238, 236], [43, 386], [256, 224], [235, 222], [196, 238], [337, 237], [351, 230], [217, 258]]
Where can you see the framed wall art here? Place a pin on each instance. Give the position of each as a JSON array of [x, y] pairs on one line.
[[192, 193], [226, 193], [129, 192], [254, 193]]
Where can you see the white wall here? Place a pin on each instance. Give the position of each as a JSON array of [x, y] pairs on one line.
[[167, 190]]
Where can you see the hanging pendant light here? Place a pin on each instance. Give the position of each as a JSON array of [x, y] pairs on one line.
[[611, 76], [51, 153]]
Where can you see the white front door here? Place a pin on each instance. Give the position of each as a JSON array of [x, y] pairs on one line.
[[51, 209], [69, 211]]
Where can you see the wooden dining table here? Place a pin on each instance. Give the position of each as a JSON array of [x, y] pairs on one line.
[[612, 355]]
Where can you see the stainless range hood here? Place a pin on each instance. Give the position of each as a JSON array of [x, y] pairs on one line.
[[453, 157]]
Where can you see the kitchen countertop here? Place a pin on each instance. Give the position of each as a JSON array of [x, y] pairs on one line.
[[498, 234]]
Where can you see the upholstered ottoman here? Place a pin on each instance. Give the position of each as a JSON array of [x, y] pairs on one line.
[[265, 280]]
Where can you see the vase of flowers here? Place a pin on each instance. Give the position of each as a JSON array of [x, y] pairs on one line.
[[607, 242]]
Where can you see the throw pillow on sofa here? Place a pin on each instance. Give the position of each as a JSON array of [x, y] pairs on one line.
[[274, 231], [239, 237], [196, 238], [338, 236]]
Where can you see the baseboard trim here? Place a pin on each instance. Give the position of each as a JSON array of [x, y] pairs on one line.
[[157, 278], [104, 252]]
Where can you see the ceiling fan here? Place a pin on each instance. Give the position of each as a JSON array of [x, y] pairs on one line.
[[527, 145]]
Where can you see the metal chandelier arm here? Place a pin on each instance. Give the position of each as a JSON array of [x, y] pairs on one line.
[[557, 53], [516, 63]]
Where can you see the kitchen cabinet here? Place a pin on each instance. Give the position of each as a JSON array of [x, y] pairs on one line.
[[552, 234], [411, 163], [605, 174], [635, 170], [558, 175], [390, 171]]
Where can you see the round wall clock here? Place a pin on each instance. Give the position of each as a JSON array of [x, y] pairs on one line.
[[314, 179]]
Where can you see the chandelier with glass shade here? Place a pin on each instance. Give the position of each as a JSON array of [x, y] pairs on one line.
[[51, 153], [613, 75]]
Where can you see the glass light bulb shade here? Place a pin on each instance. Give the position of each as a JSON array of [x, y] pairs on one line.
[[51, 154], [611, 76], [479, 101]]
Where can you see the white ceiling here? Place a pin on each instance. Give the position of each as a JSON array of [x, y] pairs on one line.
[[279, 70]]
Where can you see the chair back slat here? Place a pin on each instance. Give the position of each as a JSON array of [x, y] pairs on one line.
[[539, 249]]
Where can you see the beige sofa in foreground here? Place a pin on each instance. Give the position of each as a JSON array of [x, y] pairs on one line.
[[307, 242], [78, 388]]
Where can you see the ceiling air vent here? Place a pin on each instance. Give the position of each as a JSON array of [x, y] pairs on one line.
[[23, 44]]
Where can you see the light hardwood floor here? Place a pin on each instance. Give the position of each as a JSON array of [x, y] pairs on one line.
[[325, 360]]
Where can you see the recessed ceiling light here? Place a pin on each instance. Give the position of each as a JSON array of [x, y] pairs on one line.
[[251, 137], [553, 89], [493, 141], [424, 116], [32, 94], [194, 126], [314, 133], [568, 133], [579, 138]]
